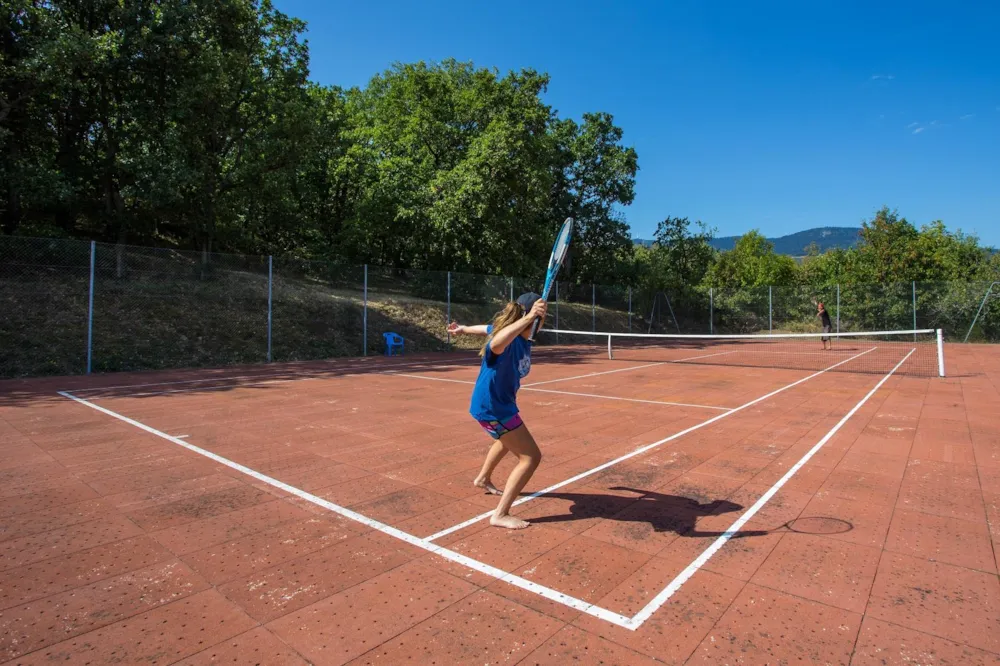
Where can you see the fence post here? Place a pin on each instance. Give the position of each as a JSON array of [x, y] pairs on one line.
[[914, 309], [838, 307], [364, 318], [711, 311], [270, 283], [770, 311], [593, 307], [557, 310], [630, 309], [982, 304], [447, 321], [90, 310]]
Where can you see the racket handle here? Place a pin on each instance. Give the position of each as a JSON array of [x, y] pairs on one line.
[[534, 328]]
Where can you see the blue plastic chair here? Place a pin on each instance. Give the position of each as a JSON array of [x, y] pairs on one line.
[[392, 341]]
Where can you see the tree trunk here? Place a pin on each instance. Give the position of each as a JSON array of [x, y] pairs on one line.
[[12, 211], [208, 231]]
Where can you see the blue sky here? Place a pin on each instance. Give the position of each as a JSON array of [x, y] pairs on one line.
[[778, 116]]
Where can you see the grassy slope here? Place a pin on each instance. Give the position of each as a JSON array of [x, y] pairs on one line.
[[156, 320], [142, 324]]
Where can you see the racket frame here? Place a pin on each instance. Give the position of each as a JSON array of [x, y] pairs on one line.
[[555, 263]]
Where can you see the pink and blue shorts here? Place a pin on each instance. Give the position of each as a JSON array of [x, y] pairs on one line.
[[496, 429]]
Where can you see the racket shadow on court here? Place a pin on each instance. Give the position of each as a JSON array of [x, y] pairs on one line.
[[673, 513]]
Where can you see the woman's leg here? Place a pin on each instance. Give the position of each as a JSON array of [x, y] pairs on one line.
[[522, 444], [495, 454]]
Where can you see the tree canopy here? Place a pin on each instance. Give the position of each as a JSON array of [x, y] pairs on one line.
[[193, 124]]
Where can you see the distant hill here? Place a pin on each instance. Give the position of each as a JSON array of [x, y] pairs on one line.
[[826, 238]]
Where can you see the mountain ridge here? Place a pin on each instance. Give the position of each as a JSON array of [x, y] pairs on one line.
[[826, 238]]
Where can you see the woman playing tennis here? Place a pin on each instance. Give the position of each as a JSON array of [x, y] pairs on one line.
[[506, 360]]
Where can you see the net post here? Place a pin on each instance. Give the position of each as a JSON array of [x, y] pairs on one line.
[[447, 318], [914, 309], [364, 318], [838, 307], [770, 311], [90, 309], [940, 351], [270, 283], [611, 356], [511, 289], [711, 311], [593, 307]]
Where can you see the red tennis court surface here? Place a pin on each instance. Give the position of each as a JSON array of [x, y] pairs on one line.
[[324, 513]]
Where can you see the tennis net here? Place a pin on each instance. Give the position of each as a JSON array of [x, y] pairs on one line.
[[918, 353]]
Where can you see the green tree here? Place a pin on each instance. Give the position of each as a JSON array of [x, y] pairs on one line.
[[238, 113], [594, 178], [945, 255], [751, 263], [453, 162], [680, 256], [887, 251], [466, 170]]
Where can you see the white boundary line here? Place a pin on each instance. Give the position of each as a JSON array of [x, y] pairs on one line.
[[629, 369], [431, 379], [224, 387], [595, 374], [656, 602], [219, 387], [643, 449], [424, 544], [582, 395], [612, 397], [287, 376]]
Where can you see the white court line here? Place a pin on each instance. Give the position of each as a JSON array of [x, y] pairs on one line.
[[630, 369], [595, 374], [283, 375], [582, 395], [430, 379], [223, 387], [424, 544], [184, 381], [641, 450], [220, 387], [661, 598], [612, 397]]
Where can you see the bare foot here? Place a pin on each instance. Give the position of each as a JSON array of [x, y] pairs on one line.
[[508, 521], [487, 486]]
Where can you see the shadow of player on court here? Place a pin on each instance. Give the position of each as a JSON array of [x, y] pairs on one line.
[[664, 513]]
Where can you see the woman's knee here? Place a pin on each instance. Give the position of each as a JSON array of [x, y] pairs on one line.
[[533, 457]]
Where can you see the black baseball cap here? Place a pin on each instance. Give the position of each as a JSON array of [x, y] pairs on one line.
[[527, 300]]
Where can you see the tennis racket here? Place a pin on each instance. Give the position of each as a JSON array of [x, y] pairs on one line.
[[555, 262]]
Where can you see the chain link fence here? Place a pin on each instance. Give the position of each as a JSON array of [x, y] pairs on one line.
[[70, 307]]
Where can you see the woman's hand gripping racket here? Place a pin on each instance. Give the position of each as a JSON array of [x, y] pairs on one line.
[[555, 262]]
